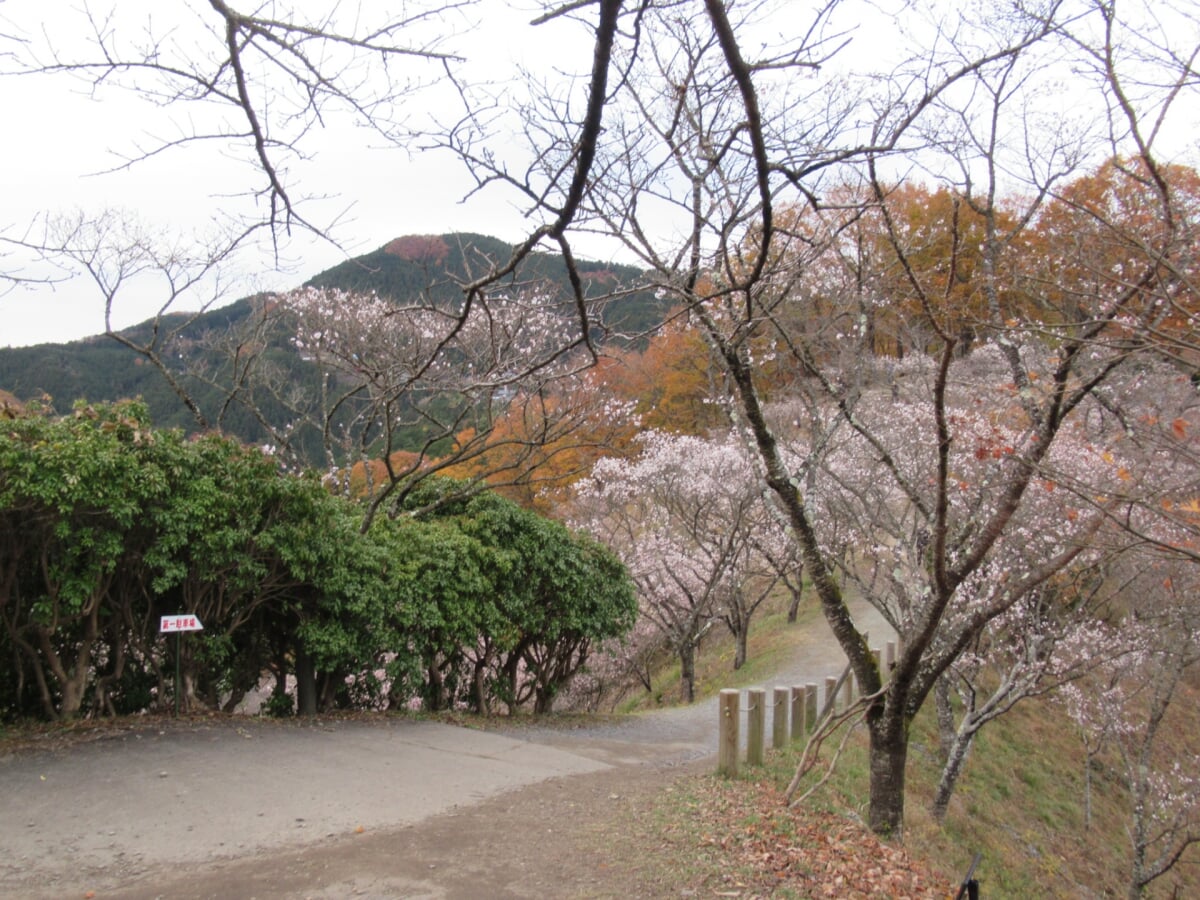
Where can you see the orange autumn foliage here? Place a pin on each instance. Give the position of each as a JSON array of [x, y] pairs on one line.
[[366, 478], [671, 382], [542, 444], [1110, 237]]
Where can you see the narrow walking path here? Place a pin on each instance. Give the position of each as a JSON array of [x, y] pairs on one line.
[[386, 807], [685, 733]]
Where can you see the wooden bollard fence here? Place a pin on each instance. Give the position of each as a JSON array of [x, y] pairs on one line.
[[799, 712], [802, 701], [779, 718], [756, 717], [727, 747]]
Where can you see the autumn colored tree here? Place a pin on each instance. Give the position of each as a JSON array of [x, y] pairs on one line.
[[541, 443], [672, 382], [1106, 221], [935, 236], [667, 386]]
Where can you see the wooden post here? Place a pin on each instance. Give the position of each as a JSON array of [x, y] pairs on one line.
[[727, 747], [779, 719], [799, 711], [830, 699], [848, 690], [810, 707], [756, 720]]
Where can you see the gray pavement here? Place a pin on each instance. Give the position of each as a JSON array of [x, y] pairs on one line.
[[168, 797], [149, 799]]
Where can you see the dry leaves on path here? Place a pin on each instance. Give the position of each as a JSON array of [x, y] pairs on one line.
[[771, 850]]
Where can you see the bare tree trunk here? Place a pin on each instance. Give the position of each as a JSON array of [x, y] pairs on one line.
[[956, 758], [543, 700], [188, 700], [39, 674], [479, 684], [306, 684], [793, 611], [435, 695], [742, 636], [687, 672], [102, 703], [508, 676], [1137, 871], [327, 694], [1087, 791], [74, 675], [945, 718], [236, 696], [889, 758]]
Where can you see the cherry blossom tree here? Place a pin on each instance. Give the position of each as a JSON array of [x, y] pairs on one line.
[[620, 666], [1127, 710], [438, 381], [1030, 614], [724, 136], [1052, 637], [689, 518]]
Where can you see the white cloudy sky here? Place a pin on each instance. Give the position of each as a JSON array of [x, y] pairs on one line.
[[58, 135]]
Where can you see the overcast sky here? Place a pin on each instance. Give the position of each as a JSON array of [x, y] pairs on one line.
[[58, 135]]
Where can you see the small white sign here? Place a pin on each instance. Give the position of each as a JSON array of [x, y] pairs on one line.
[[179, 623]]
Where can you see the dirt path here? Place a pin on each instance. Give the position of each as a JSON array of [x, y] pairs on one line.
[[386, 808]]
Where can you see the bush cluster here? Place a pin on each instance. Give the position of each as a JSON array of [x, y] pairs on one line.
[[107, 524]]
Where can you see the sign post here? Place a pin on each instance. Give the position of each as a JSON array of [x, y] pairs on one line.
[[178, 625]]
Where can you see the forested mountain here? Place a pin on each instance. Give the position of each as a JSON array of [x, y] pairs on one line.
[[434, 267], [101, 369], [411, 269]]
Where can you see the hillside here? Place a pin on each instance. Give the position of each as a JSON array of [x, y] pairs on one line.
[[414, 268]]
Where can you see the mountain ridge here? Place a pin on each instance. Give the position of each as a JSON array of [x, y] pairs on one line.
[[409, 268]]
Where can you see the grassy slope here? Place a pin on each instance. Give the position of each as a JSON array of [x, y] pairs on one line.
[[1020, 803]]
